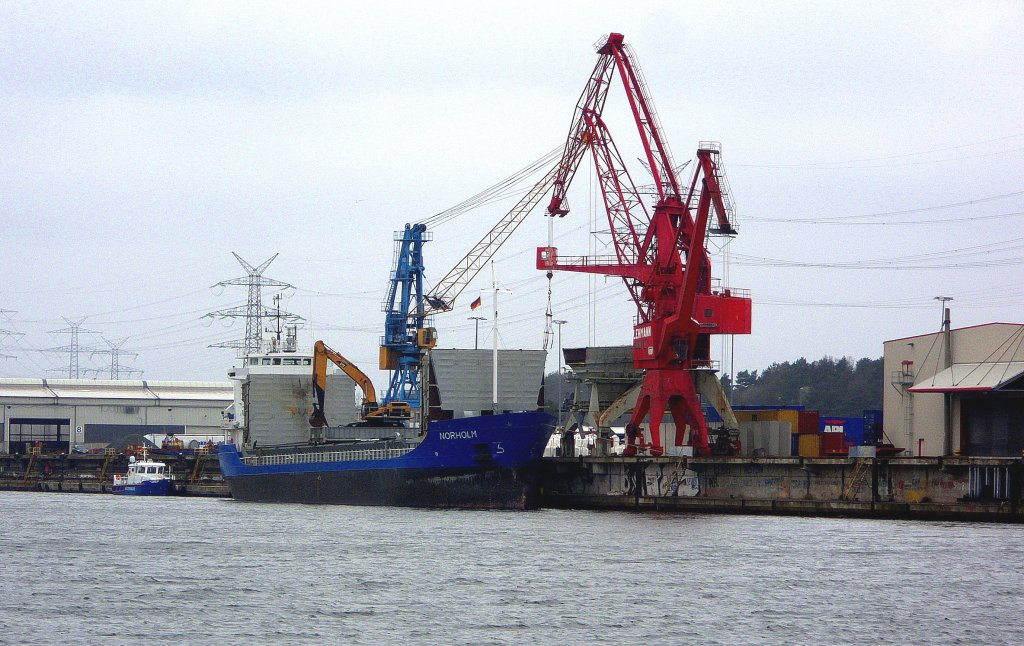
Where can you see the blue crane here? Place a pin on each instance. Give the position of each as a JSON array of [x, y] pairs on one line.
[[405, 333]]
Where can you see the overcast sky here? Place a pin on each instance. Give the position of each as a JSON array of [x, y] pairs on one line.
[[874, 152]]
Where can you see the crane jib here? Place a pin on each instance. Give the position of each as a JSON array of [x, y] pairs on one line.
[[661, 257]]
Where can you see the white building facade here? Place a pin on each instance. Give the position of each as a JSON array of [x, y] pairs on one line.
[[964, 400], [60, 414]]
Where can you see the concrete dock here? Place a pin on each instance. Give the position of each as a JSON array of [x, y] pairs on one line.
[[922, 488], [950, 488]]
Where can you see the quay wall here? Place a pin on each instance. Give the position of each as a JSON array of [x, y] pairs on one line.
[[194, 475], [927, 488]]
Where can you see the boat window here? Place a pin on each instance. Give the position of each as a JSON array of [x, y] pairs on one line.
[[254, 362], [291, 362], [159, 469], [150, 469], [305, 362], [266, 361], [277, 361]]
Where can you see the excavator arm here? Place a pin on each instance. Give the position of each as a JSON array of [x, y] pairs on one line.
[[370, 410]]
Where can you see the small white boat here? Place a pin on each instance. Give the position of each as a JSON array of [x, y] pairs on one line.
[[145, 477]]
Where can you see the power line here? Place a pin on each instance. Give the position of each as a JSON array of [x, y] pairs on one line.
[[844, 219], [845, 163]]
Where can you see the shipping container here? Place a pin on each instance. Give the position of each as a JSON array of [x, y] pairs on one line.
[[809, 445], [873, 427], [808, 422], [833, 444], [769, 414], [851, 428]]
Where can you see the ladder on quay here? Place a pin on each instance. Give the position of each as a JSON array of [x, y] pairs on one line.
[[33, 453], [109, 455], [861, 471]]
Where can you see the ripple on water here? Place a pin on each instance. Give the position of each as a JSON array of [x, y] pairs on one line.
[[80, 568]]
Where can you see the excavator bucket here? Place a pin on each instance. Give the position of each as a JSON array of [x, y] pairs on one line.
[[317, 419]]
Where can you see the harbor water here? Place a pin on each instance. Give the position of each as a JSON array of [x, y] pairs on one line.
[[123, 570]]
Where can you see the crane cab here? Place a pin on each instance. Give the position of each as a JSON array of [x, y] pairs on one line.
[[426, 337]]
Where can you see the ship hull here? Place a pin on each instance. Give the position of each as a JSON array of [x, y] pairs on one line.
[[147, 488], [489, 488], [488, 462]]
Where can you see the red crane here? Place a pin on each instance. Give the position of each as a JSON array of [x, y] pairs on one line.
[[661, 257]]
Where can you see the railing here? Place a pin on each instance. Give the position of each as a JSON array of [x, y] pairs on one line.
[[589, 261], [901, 378], [737, 292], [705, 364], [324, 456]]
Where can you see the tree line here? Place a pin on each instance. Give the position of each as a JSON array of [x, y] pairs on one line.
[[840, 387]]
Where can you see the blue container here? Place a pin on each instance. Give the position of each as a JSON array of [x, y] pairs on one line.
[[872, 426], [852, 428]]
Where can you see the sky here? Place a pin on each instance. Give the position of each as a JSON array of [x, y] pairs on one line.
[[874, 153]]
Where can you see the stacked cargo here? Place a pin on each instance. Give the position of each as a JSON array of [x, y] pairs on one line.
[[803, 432], [839, 434], [812, 435], [807, 438], [768, 430]]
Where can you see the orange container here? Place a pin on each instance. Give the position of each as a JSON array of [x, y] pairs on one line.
[[809, 445], [772, 415]]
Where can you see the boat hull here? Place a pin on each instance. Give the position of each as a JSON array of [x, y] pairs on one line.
[[147, 488], [489, 462], [486, 488]]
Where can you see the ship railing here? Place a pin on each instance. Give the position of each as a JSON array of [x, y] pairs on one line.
[[324, 456]]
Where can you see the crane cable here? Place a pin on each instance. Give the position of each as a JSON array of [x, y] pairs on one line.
[[500, 190]]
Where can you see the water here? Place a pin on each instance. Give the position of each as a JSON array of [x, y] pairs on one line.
[[114, 570]]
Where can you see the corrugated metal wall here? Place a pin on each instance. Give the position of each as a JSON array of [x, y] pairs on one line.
[[464, 379], [278, 406]]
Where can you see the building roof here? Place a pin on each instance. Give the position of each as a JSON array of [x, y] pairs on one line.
[[956, 329], [974, 377], [114, 389]]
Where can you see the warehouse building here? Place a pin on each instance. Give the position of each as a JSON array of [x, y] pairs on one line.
[[957, 392], [61, 414]]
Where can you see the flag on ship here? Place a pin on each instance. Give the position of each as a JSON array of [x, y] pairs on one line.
[[475, 304]]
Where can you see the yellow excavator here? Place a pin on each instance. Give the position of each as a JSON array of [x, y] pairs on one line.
[[371, 411]]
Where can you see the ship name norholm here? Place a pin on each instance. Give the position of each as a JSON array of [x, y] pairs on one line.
[[457, 435]]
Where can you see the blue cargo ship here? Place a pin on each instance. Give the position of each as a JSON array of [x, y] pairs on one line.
[[480, 462]]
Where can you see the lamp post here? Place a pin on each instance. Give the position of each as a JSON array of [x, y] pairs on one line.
[[947, 398], [559, 324], [476, 334], [942, 302]]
